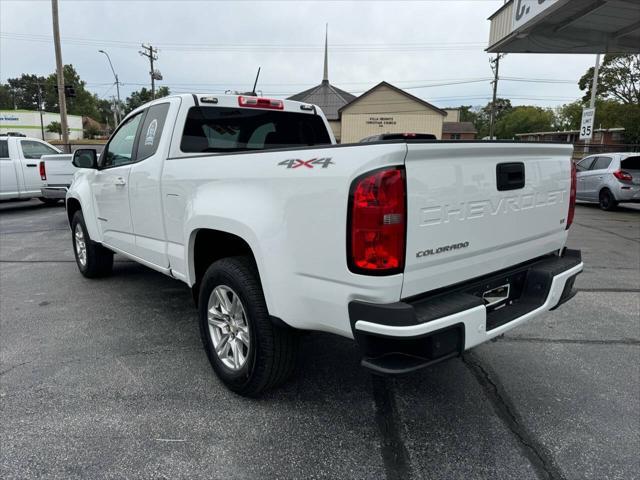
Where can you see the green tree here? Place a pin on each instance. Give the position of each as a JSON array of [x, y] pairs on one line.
[[568, 116], [55, 127], [23, 91], [618, 79], [6, 97], [142, 96], [481, 117], [84, 103], [524, 119]]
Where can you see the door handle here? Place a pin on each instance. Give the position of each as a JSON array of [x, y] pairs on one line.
[[120, 181], [31, 165]]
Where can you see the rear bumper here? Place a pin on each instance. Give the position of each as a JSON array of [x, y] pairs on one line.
[[54, 192], [412, 334], [627, 192]]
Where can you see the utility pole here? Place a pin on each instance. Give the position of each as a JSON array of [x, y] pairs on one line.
[[62, 101], [40, 109], [495, 66], [150, 53]]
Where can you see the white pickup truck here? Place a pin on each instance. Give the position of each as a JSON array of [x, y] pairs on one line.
[[21, 173], [418, 250]]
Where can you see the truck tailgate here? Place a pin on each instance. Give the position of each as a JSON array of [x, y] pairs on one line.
[[470, 213], [59, 169]]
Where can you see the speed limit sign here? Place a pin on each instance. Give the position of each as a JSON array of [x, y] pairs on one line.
[[586, 125]]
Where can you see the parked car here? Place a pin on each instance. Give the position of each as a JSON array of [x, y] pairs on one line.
[[418, 251], [19, 173], [385, 137], [609, 179]]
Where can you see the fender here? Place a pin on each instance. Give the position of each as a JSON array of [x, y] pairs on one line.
[[224, 208], [80, 190]]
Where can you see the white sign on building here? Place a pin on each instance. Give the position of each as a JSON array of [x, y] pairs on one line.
[[586, 124], [526, 10]]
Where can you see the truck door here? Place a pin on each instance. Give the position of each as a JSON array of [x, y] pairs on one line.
[[110, 186], [144, 183], [30, 153], [8, 177]]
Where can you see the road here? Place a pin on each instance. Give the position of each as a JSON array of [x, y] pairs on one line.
[[107, 379]]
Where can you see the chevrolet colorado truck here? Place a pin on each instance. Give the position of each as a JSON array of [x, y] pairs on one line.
[[416, 249]]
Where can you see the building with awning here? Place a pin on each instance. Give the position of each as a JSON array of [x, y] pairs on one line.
[[566, 26]]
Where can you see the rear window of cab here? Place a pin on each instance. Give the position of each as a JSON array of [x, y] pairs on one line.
[[224, 129]]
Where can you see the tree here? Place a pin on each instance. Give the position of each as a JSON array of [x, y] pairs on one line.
[[23, 91], [618, 79], [481, 116], [143, 96], [84, 103], [6, 98], [568, 116], [55, 127], [524, 119]]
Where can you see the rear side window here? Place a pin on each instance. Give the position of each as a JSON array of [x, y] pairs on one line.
[[34, 150], [583, 165], [4, 149], [629, 163], [152, 131], [223, 129], [601, 163]]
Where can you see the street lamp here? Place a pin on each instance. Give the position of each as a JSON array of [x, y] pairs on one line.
[[117, 82]]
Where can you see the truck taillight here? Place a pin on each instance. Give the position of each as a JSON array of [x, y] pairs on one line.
[[43, 171], [376, 225], [623, 176], [259, 102], [572, 196]]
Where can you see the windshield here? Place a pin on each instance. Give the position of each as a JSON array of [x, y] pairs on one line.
[[222, 129]]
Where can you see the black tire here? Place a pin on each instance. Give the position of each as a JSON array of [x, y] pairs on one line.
[[272, 351], [99, 261], [606, 200], [49, 201]]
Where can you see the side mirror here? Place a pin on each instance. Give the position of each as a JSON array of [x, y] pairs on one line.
[[85, 158]]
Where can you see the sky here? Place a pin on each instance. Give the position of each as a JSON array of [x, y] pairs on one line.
[[214, 46]]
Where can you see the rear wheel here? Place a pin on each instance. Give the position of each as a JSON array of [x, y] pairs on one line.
[[607, 200], [246, 350], [93, 259]]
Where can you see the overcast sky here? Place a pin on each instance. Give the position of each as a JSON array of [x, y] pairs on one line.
[[212, 46]]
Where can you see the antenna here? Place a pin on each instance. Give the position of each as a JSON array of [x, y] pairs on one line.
[[255, 84]]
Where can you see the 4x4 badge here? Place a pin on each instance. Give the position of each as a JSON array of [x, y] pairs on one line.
[[296, 162]]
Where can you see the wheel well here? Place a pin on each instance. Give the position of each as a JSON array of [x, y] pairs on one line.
[[212, 245], [73, 206]]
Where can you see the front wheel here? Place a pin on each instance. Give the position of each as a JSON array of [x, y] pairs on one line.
[[248, 352], [93, 259], [607, 201]]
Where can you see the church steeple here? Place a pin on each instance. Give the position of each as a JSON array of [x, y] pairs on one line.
[[325, 78]]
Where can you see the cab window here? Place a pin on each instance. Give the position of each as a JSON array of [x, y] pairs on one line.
[[34, 150], [119, 151], [151, 131], [4, 149]]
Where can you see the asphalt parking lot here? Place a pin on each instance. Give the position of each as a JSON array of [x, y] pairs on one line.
[[107, 379]]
